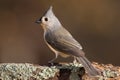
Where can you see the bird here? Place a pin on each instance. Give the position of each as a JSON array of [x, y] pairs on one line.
[[62, 43]]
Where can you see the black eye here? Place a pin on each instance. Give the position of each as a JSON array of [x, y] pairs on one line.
[[46, 19]]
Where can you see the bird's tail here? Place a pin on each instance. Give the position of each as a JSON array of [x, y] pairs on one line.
[[92, 71]]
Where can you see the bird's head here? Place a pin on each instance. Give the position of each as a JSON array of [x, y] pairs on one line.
[[49, 20]]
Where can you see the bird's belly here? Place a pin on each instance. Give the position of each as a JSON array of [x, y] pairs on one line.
[[64, 55]]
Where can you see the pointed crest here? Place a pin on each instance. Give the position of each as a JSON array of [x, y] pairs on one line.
[[49, 12]]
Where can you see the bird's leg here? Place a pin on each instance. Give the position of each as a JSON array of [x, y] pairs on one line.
[[75, 60], [56, 56], [51, 61]]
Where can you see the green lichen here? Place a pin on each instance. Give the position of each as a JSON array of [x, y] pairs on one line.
[[70, 66], [110, 73], [107, 74], [12, 71]]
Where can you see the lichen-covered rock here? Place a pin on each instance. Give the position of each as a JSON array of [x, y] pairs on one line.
[[62, 71], [15, 71]]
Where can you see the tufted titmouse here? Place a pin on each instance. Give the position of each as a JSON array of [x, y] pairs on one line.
[[62, 43]]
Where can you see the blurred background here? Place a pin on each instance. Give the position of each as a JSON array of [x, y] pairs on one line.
[[94, 23]]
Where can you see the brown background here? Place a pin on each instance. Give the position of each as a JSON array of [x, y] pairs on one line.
[[94, 23]]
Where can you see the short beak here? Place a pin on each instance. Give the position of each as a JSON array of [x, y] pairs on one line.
[[38, 21]]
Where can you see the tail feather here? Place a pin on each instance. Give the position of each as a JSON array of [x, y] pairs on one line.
[[88, 66]]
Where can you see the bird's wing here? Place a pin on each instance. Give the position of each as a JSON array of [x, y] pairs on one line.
[[63, 42], [70, 41], [69, 45]]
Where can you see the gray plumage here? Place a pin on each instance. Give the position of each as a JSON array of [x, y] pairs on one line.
[[61, 42]]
